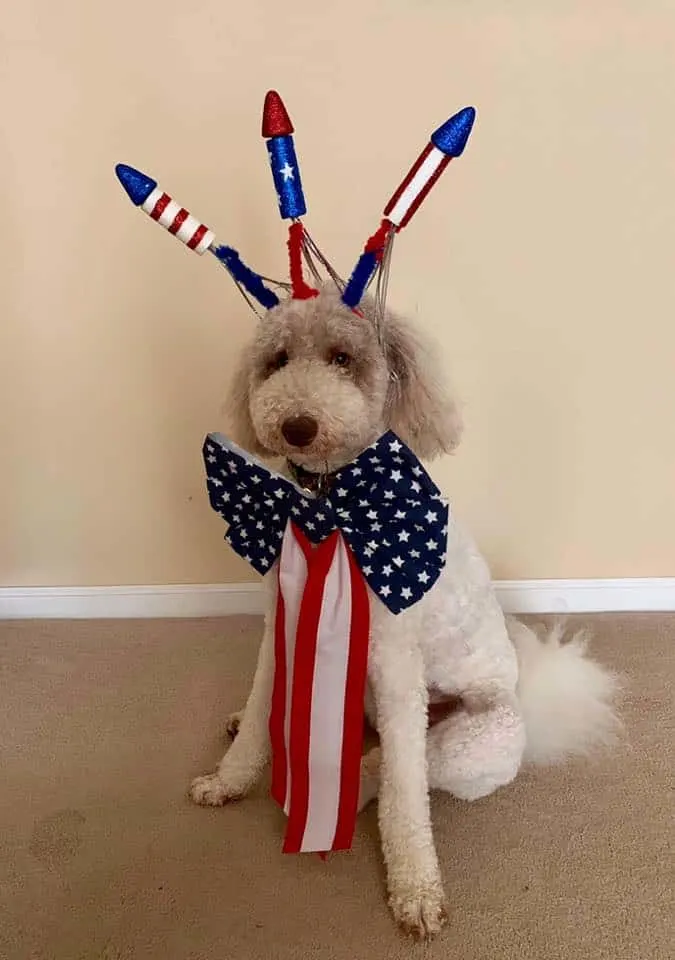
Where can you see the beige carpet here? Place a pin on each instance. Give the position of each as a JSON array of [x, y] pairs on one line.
[[101, 855]]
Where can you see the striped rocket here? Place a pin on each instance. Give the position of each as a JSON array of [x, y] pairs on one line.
[[146, 194]]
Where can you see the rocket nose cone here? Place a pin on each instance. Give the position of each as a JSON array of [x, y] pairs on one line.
[[137, 185], [451, 137], [275, 119]]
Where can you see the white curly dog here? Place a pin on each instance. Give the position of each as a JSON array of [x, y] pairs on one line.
[[316, 387]]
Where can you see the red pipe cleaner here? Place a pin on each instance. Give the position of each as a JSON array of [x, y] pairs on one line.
[[301, 290]]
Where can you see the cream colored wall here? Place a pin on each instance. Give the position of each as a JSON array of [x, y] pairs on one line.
[[543, 261]]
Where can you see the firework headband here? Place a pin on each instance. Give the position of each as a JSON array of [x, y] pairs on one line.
[[447, 142]]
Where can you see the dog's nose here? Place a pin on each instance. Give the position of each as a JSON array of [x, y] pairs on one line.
[[299, 431]]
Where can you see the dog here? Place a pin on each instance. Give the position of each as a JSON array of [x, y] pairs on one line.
[[460, 695]]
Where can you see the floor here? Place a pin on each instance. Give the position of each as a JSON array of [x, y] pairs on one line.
[[103, 858]]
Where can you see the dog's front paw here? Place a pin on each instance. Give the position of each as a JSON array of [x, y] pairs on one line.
[[211, 791], [419, 911]]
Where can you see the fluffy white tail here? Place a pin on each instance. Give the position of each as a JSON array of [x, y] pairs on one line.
[[566, 698]]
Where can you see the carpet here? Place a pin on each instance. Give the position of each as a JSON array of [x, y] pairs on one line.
[[103, 858]]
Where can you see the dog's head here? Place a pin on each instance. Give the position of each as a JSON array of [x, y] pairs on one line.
[[317, 385]]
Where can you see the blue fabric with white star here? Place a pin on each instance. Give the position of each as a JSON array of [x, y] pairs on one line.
[[286, 173], [385, 504]]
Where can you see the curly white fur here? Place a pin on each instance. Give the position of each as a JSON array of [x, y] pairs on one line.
[[522, 697]]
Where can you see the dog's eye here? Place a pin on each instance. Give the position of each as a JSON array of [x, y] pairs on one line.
[[341, 359], [277, 362]]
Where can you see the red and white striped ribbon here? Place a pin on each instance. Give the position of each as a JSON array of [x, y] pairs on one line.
[[316, 718], [178, 221]]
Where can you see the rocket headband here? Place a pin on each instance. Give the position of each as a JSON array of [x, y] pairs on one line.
[[444, 144]]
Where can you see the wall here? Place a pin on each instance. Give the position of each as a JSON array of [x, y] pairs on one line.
[[542, 261]]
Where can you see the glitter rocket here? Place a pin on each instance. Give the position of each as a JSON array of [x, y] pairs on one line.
[[444, 144], [277, 129], [144, 192]]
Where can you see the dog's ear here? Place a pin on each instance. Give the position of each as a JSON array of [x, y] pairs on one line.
[[239, 404], [420, 407]]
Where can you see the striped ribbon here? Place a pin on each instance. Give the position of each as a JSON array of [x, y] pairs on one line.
[[316, 718]]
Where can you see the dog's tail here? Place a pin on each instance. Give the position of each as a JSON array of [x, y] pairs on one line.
[[567, 699]]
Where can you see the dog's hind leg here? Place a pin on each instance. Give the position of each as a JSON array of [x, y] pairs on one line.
[[477, 749]]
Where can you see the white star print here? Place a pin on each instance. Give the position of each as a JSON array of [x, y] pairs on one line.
[[256, 479], [321, 516], [246, 499], [415, 486], [376, 527], [280, 493], [287, 172], [264, 562], [260, 525], [388, 494], [430, 516], [423, 577], [415, 554], [406, 593], [417, 471], [216, 482], [310, 525], [372, 514], [372, 545], [400, 514], [398, 561], [396, 475], [431, 545], [367, 571], [211, 459], [341, 492], [295, 510], [385, 591], [357, 471], [395, 446], [232, 465], [404, 536], [209, 448], [387, 571]]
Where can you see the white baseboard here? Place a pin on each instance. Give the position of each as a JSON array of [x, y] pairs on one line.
[[221, 600]]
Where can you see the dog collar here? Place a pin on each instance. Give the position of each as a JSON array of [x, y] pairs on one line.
[[316, 483]]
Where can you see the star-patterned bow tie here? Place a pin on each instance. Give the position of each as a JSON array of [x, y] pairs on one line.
[[384, 503], [383, 523]]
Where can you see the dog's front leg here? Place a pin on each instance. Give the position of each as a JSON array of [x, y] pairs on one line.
[[414, 882], [244, 762]]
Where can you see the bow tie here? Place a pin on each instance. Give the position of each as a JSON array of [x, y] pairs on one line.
[[384, 503]]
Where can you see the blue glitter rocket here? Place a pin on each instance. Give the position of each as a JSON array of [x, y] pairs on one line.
[[278, 131]]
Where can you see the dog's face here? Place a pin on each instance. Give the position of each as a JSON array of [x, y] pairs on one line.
[[317, 386]]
